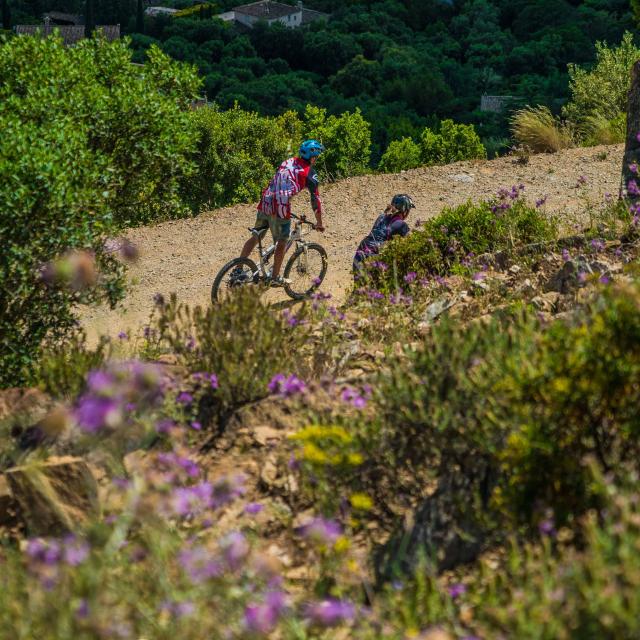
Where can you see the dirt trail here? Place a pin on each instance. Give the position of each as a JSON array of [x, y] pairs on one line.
[[184, 255]]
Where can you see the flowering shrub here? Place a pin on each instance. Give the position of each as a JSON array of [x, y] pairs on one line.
[[244, 341], [462, 232], [523, 405]]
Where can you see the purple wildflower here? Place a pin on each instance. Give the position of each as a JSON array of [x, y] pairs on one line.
[[547, 527], [158, 300], [321, 531], [541, 202], [597, 244], [226, 489], [95, 413], [196, 426], [457, 590], [354, 397], [199, 564], [75, 551], [633, 167], [565, 255], [410, 277], [82, 610], [262, 618], [253, 508], [185, 398], [234, 550], [286, 387], [329, 613], [187, 501], [123, 335], [582, 180], [604, 279]]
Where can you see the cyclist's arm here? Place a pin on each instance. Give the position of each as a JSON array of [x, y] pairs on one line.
[[316, 202], [398, 228]]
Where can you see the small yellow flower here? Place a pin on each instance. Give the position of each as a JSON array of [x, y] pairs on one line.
[[361, 501]]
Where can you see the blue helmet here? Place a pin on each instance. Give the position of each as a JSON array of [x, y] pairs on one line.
[[310, 149]]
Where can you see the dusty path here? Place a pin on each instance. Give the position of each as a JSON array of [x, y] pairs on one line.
[[184, 255]]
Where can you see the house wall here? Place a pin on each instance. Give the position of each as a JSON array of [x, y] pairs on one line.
[[292, 20]]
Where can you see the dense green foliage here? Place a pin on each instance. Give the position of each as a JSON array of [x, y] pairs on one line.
[[89, 143], [452, 142], [458, 234], [406, 64]]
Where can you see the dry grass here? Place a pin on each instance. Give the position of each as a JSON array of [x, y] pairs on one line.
[[538, 130]]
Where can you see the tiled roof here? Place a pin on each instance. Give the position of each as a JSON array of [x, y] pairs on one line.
[[70, 34], [68, 18], [267, 9]]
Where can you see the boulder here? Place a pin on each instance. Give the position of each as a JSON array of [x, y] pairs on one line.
[[56, 496]]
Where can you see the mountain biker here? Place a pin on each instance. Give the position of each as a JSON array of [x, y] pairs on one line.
[[388, 224], [274, 210]]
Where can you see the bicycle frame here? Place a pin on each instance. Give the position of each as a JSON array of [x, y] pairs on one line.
[[296, 237]]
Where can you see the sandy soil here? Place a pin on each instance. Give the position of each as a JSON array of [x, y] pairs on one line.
[[184, 255]]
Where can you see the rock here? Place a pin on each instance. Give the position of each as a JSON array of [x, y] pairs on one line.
[[546, 301], [436, 309], [463, 177], [56, 496], [567, 278], [269, 474], [30, 404], [263, 435]]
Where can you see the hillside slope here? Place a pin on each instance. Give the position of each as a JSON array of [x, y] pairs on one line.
[[184, 255]]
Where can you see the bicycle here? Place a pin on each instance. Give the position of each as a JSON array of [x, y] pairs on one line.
[[304, 271]]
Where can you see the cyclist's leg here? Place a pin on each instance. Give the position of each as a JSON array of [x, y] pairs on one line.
[[280, 229], [262, 222]]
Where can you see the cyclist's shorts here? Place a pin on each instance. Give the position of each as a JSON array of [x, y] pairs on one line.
[[280, 228]]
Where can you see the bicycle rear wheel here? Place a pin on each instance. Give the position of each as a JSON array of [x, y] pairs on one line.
[[305, 270], [235, 274]]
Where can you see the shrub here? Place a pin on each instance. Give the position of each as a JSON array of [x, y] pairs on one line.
[[532, 404], [598, 130], [63, 367], [400, 155], [451, 143], [459, 233], [89, 143], [536, 129], [602, 91], [347, 139], [237, 154], [242, 341]]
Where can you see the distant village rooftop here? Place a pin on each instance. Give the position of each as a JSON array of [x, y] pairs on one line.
[[70, 34], [271, 12]]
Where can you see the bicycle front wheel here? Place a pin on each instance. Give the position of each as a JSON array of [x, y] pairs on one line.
[[237, 273], [305, 271]]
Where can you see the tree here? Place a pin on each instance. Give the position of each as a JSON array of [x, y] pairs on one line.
[[139, 17], [89, 144], [400, 155], [6, 15], [89, 18]]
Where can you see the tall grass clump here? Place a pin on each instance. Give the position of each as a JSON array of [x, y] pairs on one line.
[[537, 129]]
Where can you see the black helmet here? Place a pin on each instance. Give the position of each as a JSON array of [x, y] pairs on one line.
[[403, 203]]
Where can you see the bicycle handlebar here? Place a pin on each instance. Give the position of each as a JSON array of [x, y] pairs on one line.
[[303, 220]]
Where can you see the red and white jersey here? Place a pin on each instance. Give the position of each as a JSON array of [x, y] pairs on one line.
[[293, 175]]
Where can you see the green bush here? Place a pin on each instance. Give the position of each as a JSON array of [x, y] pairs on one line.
[[400, 155], [347, 139], [237, 154], [533, 404], [89, 143], [450, 143], [242, 341], [602, 91], [459, 233], [550, 590]]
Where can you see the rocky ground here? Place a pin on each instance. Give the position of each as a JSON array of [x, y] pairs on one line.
[[184, 255]]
